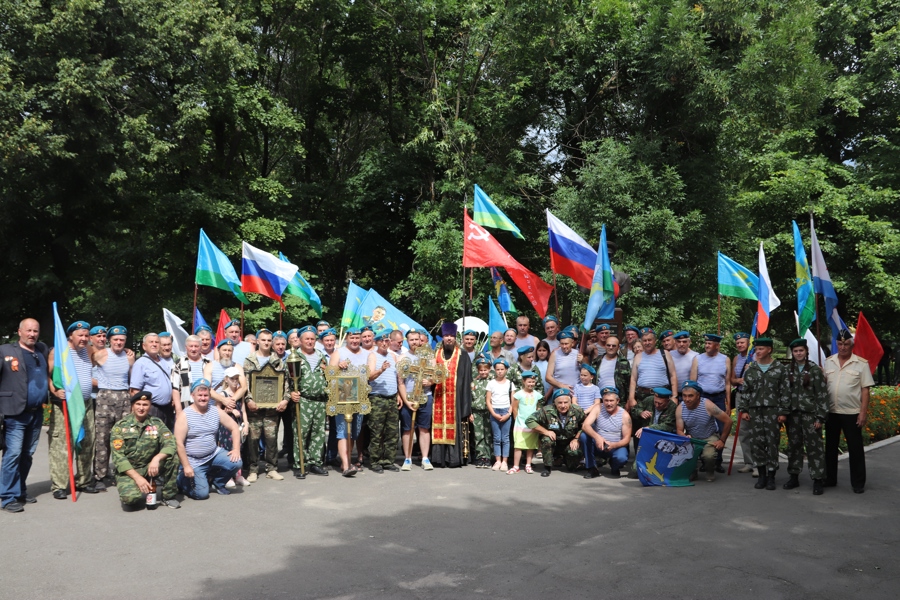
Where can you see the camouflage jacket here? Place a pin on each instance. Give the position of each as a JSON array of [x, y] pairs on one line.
[[809, 399], [313, 385], [134, 444], [666, 419], [251, 363], [515, 375], [769, 389], [622, 376], [479, 393], [548, 418]]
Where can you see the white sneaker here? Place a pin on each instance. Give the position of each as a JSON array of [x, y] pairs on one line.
[[496, 466], [407, 465], [273, 474], [230, 485], [746, 469], [241, 481], [426, 464], [504, 466]]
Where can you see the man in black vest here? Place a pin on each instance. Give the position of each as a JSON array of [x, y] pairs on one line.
[[23, 391]]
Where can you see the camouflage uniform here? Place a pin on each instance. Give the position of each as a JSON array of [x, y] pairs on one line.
[[313, 397], [111, 406], [804, 407], [622, 376], [761, 397], [482, 419], [548, 418], [666, 420], [83, 461], [263, 423], [133, 445]]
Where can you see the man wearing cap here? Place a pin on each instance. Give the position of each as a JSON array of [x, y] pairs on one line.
[[562, 366], [350, 354], [279, 344], [143, 448], [613, 369], [632, 334], [523, 338], [559, 427], [469, 339], [651, 368], [367, 340], [312, 398], [667, 340], [383, 420], [279, 349], [654, 412], [113, 367], [739, 365], [241, 348], [79, 336], [423, 413], [189, 369], [202, 460], [321, 327], [23, 391], [452, 403], [149, 374], [849, 379], [551, 329], [712, 370], [597, 347], [98, 342], [765, 389], [327, 339], [696, 418], [606, 433], [166, 354], [682, 357], [804, 415], [263, 421]]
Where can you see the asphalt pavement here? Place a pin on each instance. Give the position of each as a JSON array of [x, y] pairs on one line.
[[465, 533]]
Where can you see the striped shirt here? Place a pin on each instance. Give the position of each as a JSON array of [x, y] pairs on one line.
[[84, 370], [386, 383], [711, 372], [200, 444], [698, 423], [113, 373], [609, 426], [586, 395], [566, 368], [652, 371]]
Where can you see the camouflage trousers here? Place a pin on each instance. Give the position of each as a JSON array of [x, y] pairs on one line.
[[130, 493], [83, 460], [263, 424], [801, 430], [560, 448], [764, 432], [112, 406], [708, 455], [384, 427], [483, 437], [312, 415]]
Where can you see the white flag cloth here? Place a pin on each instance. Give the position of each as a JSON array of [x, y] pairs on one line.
[[814, 354], [179, 335]]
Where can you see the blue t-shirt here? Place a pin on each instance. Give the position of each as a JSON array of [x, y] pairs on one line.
[[148, 375], [38, 387]]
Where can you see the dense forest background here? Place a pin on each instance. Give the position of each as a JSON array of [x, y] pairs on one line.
[[348, 135]]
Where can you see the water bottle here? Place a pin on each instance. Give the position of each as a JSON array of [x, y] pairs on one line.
[[151, 495]]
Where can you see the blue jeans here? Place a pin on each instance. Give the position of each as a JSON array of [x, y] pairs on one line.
[[218, 470], [617, 458], [340, 426], [500, 432], [22, 435]]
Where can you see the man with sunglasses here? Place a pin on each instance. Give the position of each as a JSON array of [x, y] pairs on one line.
[[613, 369]]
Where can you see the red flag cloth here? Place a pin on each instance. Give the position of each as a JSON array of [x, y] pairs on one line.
[[865, 344], [220, 330], [480, 249]]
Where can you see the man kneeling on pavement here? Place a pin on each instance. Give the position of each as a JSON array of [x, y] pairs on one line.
[[696, 418], [607, 432], [653, 412], [143, 448], [558, 427]]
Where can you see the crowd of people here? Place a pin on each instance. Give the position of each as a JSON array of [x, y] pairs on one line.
[[160, 426]]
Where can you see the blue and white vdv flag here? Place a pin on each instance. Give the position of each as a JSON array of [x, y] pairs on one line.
[[822, 285], [667, 459]]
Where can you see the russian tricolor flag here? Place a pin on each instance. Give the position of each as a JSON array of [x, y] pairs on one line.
[[768, 301], [570, 255], [265, 274]]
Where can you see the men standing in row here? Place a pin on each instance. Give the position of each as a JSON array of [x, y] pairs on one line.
[[385, 382], [313, 396], [523, 338], [79, 335], [23, 391], [712, 370], [849, 379], [804, 416], [652, 368], [263, 421], [765, 387], [452, 402], [150, 374], [738, 366], [113, 366]]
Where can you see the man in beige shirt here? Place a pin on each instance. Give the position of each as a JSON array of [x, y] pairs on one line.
[[849, 379]]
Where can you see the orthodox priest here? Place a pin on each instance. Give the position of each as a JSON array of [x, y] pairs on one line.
[[452, 402]]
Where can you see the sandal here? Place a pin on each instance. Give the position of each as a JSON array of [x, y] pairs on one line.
[[513, 471], [349, 472], [528, 469]]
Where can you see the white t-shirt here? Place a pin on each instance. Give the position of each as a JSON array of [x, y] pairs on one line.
[[500, 393]]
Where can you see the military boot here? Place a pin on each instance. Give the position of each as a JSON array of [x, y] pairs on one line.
[[793, 482], [761, 482], [770, 480], [818, 487]]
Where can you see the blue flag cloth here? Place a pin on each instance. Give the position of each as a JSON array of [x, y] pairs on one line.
[[822, 285], [736, 280], [667, 459], [806, 298], [602, 302], [495, 319], [382, 316], [300, 287], [199, 321], [215, 270], [488, 215], [503, 297], [355, 296], [65, 377]]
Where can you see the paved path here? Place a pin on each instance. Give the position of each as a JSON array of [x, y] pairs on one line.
[[466, 533]]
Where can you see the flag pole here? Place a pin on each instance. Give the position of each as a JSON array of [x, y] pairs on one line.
[[818, 329], [471, 282], [194, 312], [737, 431], [69, 451], [555, 297], [463, 303], [719, 325], [242, 321]]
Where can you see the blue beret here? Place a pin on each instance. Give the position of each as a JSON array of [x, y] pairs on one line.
[[609, 390], [225, 342], [263, 330], [482, 361], [78, 325], [741, 335], [526, 374], [353, 331], [601, 327], [549, 318], [690, 383], [325, 333], [573, 329], [470, 332], [412, 330], [666, 333], [280, 334], [565, 334], [232, 323], [664, 392], [98, 329], [525, 350], [561, 392], [632, 328], [202, 382], [165, 334], [646, 330], [200, 328], [366, 328], [307, 329], [589, 368], [293, 331], [325, 323], [712, 337], [501, 361], [682, 335], [117, 330], [384, 335]]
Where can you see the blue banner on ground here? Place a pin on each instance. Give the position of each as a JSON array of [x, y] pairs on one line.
[[666, 459]]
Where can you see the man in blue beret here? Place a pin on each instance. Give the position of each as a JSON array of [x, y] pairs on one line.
[[469, 339], [328, 340], [667, 340], [559, 428], [167, 358], [654, 412], [712, 370], [264, 422], [350, 354], [312, 398], [607, 433], [698, 418], [739, 365], [683, 356], [386, 398], [652, 368], [207, 348], [113, 367], [551, 330], [632, 334], [562, 365]]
